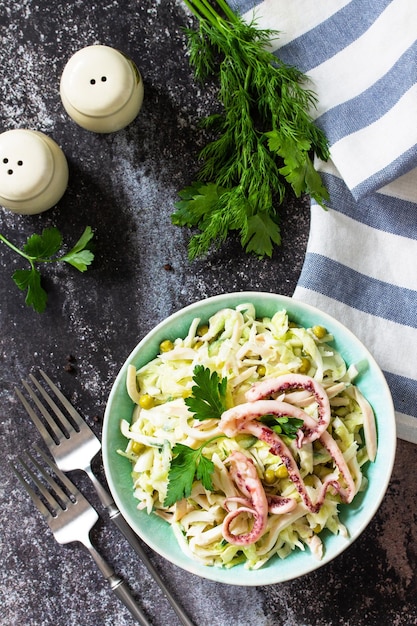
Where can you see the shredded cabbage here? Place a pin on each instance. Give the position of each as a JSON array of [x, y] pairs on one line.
[[245, 349]]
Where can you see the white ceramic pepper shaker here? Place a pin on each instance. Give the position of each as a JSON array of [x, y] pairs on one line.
[[33, 171], [101, 89]]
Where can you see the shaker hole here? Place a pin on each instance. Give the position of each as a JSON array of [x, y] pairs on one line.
[[93, 81], [10, 171], [5, 160], [103, 79], [20, 162]]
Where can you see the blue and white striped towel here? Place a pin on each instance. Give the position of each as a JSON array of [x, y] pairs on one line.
[[361, 260]]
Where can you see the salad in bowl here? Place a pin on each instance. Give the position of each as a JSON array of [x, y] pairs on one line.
[[248, 434]]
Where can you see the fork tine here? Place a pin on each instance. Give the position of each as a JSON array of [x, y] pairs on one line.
[[66, 424], [57, 502], [50, 481], [65, 402], [39, 425], [68, 484], [62, 499], [35, 498], [49, 497]]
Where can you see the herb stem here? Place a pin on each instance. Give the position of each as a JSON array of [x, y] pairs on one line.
[[203, 10], [248, 78], [226, 10], [16, 249]]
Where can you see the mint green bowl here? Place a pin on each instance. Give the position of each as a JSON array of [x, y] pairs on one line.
[[157, 533]]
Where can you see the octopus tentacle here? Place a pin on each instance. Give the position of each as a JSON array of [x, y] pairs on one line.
[[239, 540], [243, 472], [243, 419], [244, 501], [331, 446], [278, 447], [235, 418], [280, 504], [276, 504], [286, 382]]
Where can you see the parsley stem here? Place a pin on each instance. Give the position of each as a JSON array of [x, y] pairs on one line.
[[208, 442], [28, 257], [13, 247]]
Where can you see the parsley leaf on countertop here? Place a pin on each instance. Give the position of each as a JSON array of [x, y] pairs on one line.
[[43, 249]]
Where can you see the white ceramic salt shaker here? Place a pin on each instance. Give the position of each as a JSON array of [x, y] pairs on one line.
[[101, 89], [33, 171]]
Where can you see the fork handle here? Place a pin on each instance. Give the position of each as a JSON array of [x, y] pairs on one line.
[[122, 591], [118, 585], [117, 518]]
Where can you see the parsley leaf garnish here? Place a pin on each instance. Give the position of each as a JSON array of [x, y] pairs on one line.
[[43, 249], [285, 425], [185, 465], [209, 394], [263, 138], [208, 401]]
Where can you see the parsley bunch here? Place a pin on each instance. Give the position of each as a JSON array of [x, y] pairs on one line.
[[43, 249], [265, 135]]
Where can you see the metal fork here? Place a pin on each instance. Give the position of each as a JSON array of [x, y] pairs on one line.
[[71, 517], [73, 445]]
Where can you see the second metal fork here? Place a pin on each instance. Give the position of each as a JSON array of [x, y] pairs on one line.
[[73, 445], [70, 517]]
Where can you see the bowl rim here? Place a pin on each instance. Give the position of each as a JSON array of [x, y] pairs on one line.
[[275, 572]]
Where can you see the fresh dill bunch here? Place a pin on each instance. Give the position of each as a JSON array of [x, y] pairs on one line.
[[264, 137]]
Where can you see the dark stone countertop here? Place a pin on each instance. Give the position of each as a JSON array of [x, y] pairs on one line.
[[124, 185]]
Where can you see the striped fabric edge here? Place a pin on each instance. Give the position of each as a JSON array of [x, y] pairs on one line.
[[360, 111], [381, 150], [373, 333], [364, 252], [330, 34], [406, 427], [403, 188], [364, 95], [380, 299], [396, 169], [404, 390], [392, 209]]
